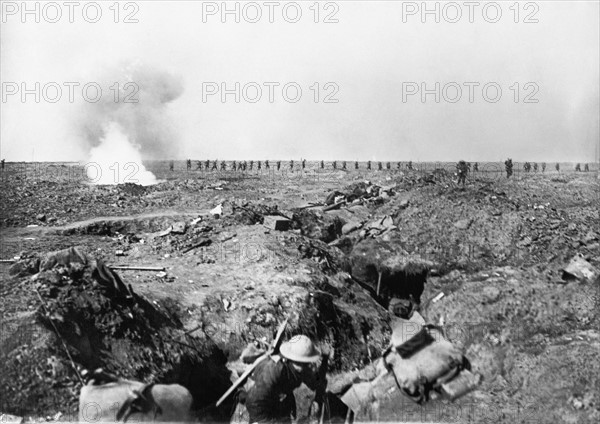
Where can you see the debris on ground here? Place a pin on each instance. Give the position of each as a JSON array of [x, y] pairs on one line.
[[516, 263], [580, 269], [278, 223]]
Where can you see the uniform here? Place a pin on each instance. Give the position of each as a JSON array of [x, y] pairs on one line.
[[270, 398], [462, 169]]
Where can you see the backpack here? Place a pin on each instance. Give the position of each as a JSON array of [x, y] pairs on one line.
[[422, 360]]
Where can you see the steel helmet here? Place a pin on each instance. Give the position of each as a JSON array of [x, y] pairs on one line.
[[299, 349]]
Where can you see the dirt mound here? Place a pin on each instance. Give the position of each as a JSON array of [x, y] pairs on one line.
[[333, 311], [103, 323], [251, 213], [314, 225], [376, 262], [530, 338]]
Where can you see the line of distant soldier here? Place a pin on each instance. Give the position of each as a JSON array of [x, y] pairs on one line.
[[214, 165], [462, 167]]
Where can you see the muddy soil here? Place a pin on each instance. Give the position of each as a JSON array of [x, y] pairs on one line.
[[495, 248]]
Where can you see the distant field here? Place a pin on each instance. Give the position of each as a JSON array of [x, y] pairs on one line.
[[162, 168]]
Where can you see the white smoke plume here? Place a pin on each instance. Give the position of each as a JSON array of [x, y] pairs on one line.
[[102, 167], [129, 123]]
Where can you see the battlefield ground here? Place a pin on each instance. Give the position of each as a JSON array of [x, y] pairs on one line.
[[496, 248]]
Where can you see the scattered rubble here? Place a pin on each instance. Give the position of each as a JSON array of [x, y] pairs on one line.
[[580, 269], [278, 223], [508, 268]]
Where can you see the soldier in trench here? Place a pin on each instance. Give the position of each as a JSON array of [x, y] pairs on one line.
[[270, 398]]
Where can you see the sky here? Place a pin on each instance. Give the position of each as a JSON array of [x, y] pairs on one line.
[[361, 80]]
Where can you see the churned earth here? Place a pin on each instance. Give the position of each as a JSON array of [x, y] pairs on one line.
[[495, 249]]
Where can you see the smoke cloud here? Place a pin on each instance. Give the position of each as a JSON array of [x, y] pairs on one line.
[[137, 99]]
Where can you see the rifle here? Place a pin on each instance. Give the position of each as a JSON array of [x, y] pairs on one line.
[[274, 349], [322, 380]]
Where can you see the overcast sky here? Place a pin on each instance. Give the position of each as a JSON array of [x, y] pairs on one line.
[[372, 57]]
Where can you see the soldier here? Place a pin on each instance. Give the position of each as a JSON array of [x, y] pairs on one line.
[[259, 165], [171, 166], [271, 398], [2, 163], [356, 164], [334, 164], [199, 165], [223, 166], [578, 168], [322, 165], [379, 166], [303, 163], [344, 165], [557, 167], [251, 165], [267, 166], [207, 164], [214, 166], [526, 167], [278, 165], [291, 164], [240, 166], [462, 169], [586, 168], [410, 165], [476, 167], [399, 165], [508, 166], [245, 165], [535, 167], [369, 165], [234, 165], [188, 164], [388, 166], [543, 166]]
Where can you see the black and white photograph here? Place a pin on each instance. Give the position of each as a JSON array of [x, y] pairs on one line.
[[300, 212]]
